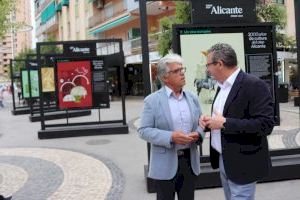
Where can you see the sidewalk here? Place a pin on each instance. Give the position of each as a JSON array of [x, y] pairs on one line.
[[103, 167]]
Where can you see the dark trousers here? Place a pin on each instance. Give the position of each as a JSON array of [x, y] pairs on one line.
[[183, 183]]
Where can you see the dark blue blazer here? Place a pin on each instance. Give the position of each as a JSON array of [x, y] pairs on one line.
[[249, 120]]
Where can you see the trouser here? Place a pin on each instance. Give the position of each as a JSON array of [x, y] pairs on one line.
[[183, 183], [234, 191]]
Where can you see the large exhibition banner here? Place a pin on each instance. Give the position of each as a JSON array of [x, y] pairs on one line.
[[48, 84], [253, 43], [93, 72], [74, 84], [34, 83]]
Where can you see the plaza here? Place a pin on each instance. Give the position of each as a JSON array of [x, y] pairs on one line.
[[106, 166]]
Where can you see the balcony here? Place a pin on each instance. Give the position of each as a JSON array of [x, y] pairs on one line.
[[42, 6], [48, 12], [50, 26], [65, 2], [108, 12], [132, 47]]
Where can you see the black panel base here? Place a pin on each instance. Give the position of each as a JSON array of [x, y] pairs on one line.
[[285, 167], [59, 115], [20, 111], [297, 101], [83, 130]]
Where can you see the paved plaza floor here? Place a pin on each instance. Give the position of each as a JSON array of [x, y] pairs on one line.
[[107, 166]]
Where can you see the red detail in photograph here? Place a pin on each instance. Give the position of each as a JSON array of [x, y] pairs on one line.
[[74, 84]]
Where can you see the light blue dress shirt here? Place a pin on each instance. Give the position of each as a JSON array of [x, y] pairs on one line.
[[181, 114]]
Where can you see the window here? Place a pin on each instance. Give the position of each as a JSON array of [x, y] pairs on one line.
[[76, 10], [109, 10], [133, 33], [278, 1]]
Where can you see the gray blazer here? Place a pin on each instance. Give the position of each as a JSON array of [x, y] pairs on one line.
[[156, 128]]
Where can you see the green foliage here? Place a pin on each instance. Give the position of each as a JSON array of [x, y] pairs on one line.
[[183, 10], [286, 42], [164, 41], [277, 14], [7, 7], [51, 49], [21, 56], [272, 13]]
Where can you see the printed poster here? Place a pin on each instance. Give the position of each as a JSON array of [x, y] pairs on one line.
[[74, 84], [194, 51], [47, 74], [34, 81]]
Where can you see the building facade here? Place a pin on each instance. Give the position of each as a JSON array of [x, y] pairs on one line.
[[65, 20], [120, 19], [62, 20], [16, 40]]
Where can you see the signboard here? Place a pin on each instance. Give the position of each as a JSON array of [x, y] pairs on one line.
[[34, 83], [48, 84], [229, 11], [82, 84], [100, 86], [254, 45], [79, 49]]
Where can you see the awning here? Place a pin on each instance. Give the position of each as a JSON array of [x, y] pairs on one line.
[[48, 12], [110, 25], [65, 2], [58, 7]]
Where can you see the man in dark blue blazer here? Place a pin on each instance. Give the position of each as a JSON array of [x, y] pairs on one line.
[[242, 118]]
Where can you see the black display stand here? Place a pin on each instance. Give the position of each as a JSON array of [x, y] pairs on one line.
[[297, 101], [15, 78], [285, 166], [286, 163], [56, 114], [50, 111], [76, 50]]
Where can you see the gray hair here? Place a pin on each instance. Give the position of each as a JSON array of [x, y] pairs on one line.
[[224, 52], [162, 66]]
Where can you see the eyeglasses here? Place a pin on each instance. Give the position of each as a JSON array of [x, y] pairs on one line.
[[212, 63], [177, 71]]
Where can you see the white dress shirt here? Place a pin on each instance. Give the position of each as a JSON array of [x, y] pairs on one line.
[[219, 107], [180, 113]]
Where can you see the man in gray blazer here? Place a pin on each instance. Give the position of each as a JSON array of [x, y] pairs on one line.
[[169, 122]]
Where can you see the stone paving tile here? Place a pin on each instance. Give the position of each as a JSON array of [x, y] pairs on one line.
[[80, 177], [44, 177], [275, 142], [134, 182], [297, 139], [289, 140], [12, 178], [279, 139]]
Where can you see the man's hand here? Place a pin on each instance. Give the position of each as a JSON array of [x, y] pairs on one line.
[[203, 121], [194, 135], [217, 121], [178, 137]]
